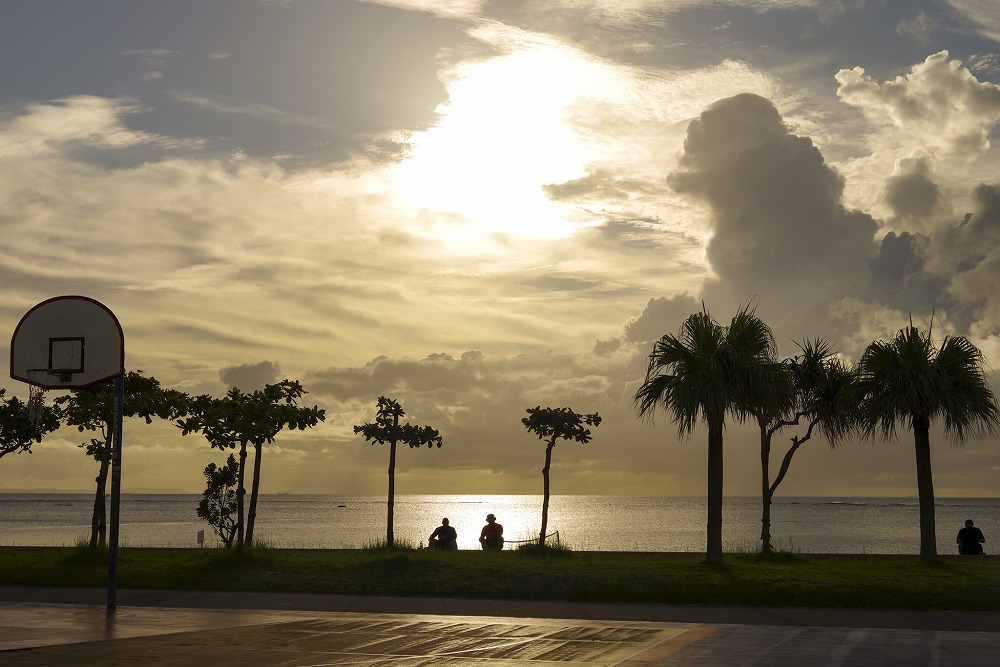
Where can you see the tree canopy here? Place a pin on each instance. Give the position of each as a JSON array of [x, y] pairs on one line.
[[92, 409], [256, 418], [18, 431]]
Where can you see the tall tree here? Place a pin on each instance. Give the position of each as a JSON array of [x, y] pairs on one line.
[[240, 419], [92, 409], [387, 429], [218, 505], [551, 424], [18, 431], [813, 386], [704, 373], [908, 381]]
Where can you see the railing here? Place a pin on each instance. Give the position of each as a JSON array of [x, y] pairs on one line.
[[534, 540]]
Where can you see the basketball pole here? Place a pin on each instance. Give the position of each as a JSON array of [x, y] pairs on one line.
[[116, 483]]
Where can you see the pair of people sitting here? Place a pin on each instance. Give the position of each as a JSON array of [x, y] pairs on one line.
[[445, 537]]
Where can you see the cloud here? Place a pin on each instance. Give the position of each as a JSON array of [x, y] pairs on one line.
[[939, 103], [250, 377], [967, 256], [984, 14], [780, 232], [155, 59], [911, 191], [921, 26], [660, 316], [85, 120], [219, 104], [446, 8]]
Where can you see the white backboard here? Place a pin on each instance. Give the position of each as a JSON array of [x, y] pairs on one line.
[[67, 342]]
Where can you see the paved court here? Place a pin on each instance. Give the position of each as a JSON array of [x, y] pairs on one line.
[[41, 633]]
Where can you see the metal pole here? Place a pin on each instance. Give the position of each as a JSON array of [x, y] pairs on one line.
[[116, 483]]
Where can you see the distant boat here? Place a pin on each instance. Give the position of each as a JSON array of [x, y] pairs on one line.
[[341, 505]]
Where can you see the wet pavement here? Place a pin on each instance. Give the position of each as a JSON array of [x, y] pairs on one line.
[[41, 626]]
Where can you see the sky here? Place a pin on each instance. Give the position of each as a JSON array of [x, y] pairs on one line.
[[477, 207]]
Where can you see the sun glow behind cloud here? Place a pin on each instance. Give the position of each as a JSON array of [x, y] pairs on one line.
[[502, 135]]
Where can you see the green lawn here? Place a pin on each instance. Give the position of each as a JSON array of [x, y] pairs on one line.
[[972, 584]]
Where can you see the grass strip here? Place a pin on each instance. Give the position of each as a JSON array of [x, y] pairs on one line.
[[971, 584]]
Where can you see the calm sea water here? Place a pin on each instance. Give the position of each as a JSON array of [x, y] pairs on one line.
[[586, 523]]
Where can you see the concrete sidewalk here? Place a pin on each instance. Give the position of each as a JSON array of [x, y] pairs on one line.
[[51, 626]]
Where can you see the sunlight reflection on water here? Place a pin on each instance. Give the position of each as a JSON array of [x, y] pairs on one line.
[[584, 523]]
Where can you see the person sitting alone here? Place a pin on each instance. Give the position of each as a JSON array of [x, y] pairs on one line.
[[491, 536], [444, 537], [970, 540]]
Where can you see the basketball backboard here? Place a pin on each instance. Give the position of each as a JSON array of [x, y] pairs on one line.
[[67, 342]]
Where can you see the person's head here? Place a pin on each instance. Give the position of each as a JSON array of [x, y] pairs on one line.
[[444, 522], [969, 523], [490, 518]]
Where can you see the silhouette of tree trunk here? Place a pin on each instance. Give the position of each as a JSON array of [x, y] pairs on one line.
[[389, 536], [545, 488], [255, 487], [241, 493], [713, 549], [925, 488], [99, 518]]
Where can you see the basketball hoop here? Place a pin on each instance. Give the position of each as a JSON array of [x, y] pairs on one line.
[[72, 342], [36, 395]]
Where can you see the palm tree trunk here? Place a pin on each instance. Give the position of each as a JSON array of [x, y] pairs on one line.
[[925, 489], [254, 488], [240, 493], [545, 496], [392, 493], [765, 488], [714, 548]]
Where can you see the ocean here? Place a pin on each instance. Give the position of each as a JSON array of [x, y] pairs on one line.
[[584, 523]]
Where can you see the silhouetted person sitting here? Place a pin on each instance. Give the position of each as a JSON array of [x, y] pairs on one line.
[[970, 540], [444, 537], [491, 536]]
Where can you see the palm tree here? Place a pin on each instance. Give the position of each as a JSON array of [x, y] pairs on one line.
[[706, 372], [908, 381]]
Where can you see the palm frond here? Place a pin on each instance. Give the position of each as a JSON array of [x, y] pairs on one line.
[[907, 380]]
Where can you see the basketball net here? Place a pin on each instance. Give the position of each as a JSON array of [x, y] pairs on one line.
[[36, 397]]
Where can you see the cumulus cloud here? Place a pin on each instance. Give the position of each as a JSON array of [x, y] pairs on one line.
[[911, 191], [779, 229], [660, 316], [250, 377], [967, 256], [938, 102]]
